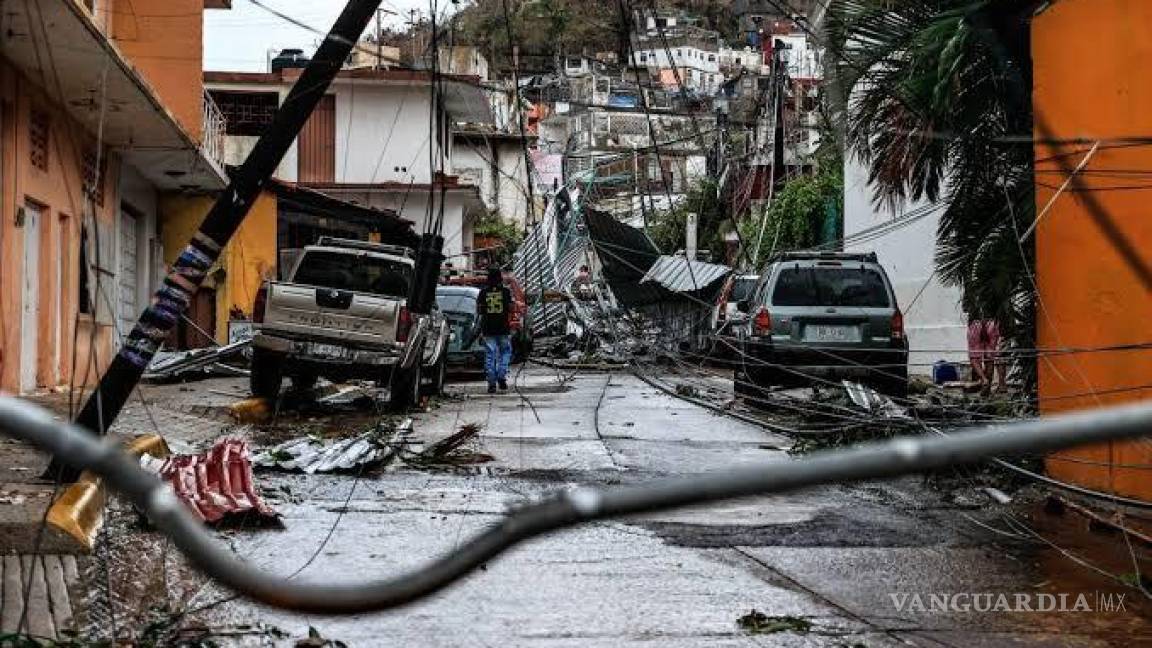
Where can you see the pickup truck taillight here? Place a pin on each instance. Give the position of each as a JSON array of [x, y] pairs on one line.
[[403, 324], [260, 305], [898, 325], [762, 323]]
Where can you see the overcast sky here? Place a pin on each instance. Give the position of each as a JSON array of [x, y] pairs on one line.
[[240, 38]]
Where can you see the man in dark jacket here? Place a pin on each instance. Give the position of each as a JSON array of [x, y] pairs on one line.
[[494, 307]]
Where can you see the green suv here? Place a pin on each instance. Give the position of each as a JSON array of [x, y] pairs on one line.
[[820, 317]]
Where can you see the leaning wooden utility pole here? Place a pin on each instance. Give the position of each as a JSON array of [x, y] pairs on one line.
[[226, 215]]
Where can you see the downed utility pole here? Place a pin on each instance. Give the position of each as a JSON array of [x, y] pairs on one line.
[[226, 215]]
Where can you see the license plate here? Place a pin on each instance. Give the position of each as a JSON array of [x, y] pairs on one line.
[[331, 351], [831, 333]]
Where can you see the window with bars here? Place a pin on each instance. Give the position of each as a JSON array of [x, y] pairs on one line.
[[92, 170], [39, 138], [246, 113]]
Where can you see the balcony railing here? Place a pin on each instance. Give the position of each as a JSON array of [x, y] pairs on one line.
[[214, 130]]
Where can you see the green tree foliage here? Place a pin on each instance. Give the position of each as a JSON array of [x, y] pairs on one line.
[[508, 237], [667, 229], [941, 93], [795, 220]]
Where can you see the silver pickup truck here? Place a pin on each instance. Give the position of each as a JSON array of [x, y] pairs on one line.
[[343, 314]]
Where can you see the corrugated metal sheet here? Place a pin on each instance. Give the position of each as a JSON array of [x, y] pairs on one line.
[[549, 259], [309, 455], [533, 268], [213, 484], [680, 275], [317, 149]]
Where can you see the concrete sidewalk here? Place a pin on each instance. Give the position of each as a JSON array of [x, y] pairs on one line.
[[41, 567]]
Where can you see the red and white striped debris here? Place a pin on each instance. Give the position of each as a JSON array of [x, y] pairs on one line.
[[214, 484]]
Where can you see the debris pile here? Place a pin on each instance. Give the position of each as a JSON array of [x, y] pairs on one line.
[[873, 402], [199, 363], [312, 454], [756, 622], [451, 450]]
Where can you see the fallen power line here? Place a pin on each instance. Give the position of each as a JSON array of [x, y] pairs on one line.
[[876, 460]]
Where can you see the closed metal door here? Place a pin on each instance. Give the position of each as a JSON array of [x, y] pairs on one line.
[[127, 285], [317, 144], [30, 299]]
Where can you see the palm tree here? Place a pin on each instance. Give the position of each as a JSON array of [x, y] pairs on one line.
[[939, 108]]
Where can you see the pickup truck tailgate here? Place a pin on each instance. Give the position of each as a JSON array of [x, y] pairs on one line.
[[340, 315]]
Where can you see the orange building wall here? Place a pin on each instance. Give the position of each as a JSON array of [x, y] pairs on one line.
[[58, 191], [163, 39], [1090, 298]]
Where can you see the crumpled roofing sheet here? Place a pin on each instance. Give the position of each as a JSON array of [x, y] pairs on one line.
[[215, 483], [678, 274]]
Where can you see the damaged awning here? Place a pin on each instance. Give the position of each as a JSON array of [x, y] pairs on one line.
[[300, 204]]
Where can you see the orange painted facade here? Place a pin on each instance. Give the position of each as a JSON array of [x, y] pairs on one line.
[[57, 192], [1090, 297], [163, 39]]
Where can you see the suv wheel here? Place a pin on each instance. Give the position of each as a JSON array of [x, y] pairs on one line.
[[304, 381], [267, 372], [404, 390]]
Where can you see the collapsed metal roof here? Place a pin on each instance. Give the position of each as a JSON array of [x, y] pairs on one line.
[[678, 274], [626, 254]]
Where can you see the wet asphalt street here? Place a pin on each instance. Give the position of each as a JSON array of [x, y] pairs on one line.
[[824, 561]]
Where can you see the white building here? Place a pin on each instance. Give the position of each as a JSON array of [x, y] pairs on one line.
[[369, 142], [494, 162], [733, 60], [800, 56], [698, 64], [671, 44], [936, 324]]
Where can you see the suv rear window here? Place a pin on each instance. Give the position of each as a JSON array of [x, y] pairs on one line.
[[742, 288], [847, 287], [359, 273]]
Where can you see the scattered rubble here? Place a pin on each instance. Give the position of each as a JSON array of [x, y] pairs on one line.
[[216, 484], [450, 450], [872, 401], [312, 454], [756, 622], [316, 640], [199, 363]]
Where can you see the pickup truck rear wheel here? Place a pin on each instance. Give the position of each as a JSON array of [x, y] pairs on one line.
[[439, 376], [404, 390], [267, 372]]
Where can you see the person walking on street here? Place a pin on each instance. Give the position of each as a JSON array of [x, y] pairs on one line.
[[495, 310], [984, 353]]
